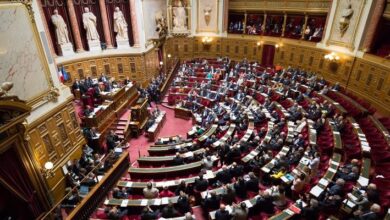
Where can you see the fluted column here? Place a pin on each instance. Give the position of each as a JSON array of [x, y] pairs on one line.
[[106, 28], [371, 29], [225, 15], [134, 26], [284, 24], [75, 26]]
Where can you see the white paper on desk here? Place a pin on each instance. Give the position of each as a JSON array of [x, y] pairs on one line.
[[332, 170], [350, 204], [214, 158], [144, 202], [124, 203], [363, 181], [164, 201], [189, 154], [323, 182], [334, 163], [248, 203], [170, 183], [118, 150], [316, 191], [366, 149], [99, 178], [129, 184], [289, 212], [106, 202], [265, 169], [209, 174], [156, 202], [160, 184]]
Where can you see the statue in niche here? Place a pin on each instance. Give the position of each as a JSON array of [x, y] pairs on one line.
[[179, 17], [344, 21], [207, 14], [120, 25], [161, 24], [61, 28], [89, 22]]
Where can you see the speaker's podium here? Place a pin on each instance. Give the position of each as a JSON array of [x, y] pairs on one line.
[[139, 116]]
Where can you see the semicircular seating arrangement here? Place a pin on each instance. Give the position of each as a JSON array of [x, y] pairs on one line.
[[265, 144]]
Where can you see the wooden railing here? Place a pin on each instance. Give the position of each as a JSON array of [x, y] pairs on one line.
[[164, 87], [97, 193]]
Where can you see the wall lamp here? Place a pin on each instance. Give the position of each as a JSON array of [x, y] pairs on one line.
[[169, 55], [207, 40], [332, 57], [47, 170]]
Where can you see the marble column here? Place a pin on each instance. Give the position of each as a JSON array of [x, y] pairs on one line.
[[373, 22], [106, 28], [284, 24], [304, 27], [75, 26], [134, 25]]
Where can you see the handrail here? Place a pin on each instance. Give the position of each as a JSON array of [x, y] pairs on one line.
[[169, 79], [52, 212]]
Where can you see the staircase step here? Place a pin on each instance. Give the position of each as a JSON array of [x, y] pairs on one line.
[[121, 123], [119, 132], [120, 127]]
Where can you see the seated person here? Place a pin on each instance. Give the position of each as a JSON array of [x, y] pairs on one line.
[[169, 211], [212, 201], [166, 193], [222, 213], [148, 214], [150, 192]]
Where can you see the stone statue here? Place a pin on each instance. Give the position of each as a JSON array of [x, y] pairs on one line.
[[161, 25], [180, 17], [344, 21], [61, 29], [89, 22], [120, 25], [207, 11]]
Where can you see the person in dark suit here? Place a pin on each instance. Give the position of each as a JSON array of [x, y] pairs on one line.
[[177, 160], [224, 176], [370, 215], [183, 203], [201, 184], [311, 211], [240, 188], [253, 183], [148, 214], [222, 214], [169, 211], [112, 140], [264, 203], [212, 202]]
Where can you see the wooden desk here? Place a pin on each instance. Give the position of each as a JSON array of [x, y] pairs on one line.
[[166, 160], [153, 131], [208, 133], [158, 151], [228, 134], [337, 105], [183, 113], [139, 116], [165, 172]]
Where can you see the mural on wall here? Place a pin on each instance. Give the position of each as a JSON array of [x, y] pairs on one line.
[[207, 16], [22, 59], [179, 16], [345, 24]]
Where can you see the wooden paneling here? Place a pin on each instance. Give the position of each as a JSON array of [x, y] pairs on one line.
[[140, 68], [56, 137], [368, 77]]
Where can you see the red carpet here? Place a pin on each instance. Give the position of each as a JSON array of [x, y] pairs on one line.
[[172, 126]]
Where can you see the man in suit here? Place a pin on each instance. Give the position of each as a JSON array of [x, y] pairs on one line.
[[224, 176], [212, 202], [200, 184], [177, 160], [253, 183], [222, 214], [370, 215], [112, 140]]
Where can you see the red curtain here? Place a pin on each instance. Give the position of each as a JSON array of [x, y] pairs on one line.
[[93, 6], [124, 6], [48, 7], [16, 179], [268, 55]]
